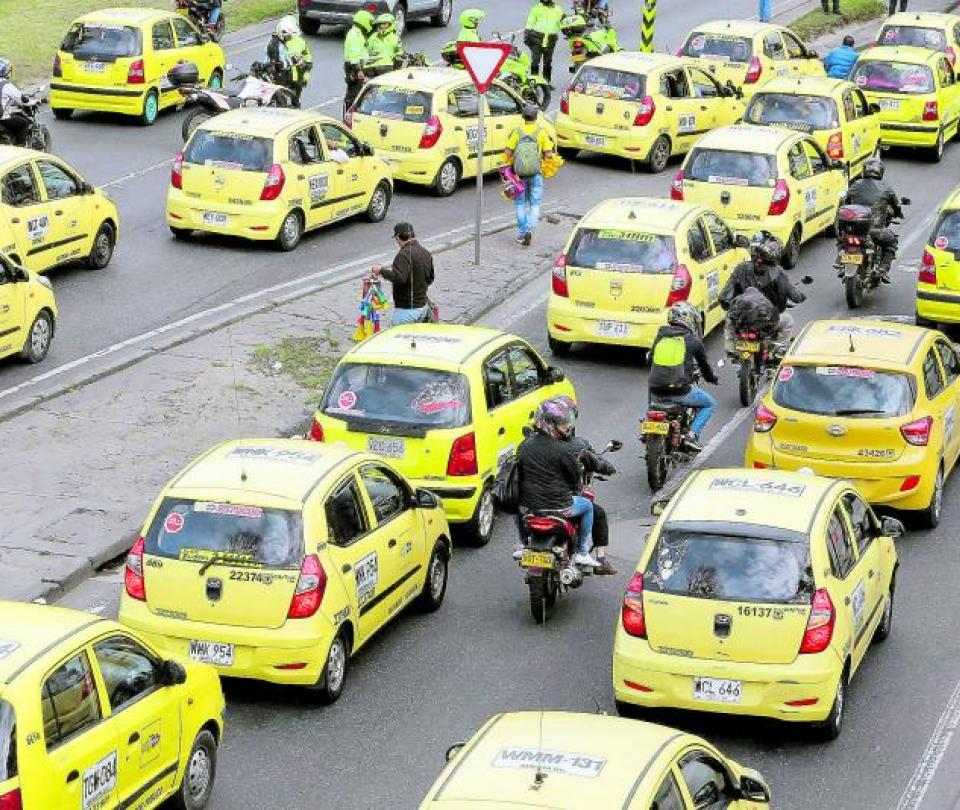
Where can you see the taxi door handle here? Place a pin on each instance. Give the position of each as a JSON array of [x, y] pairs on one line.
[[501, 431], [391, 544], [458, 129], [846, 600], [74, 774], [133, 738], [870, 574], [58, 213], [346, 568], [339, 171], [15, 220], [499, 126], [301, 177], [669, 108], [703, 107]]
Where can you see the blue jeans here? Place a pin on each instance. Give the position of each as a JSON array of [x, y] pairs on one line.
[[402, 316], [528, 204], [765, 10], [213, 16], [703, 402], [583, 509]]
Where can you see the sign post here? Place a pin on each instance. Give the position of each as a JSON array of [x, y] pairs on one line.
[[647, 24], [482, 61]]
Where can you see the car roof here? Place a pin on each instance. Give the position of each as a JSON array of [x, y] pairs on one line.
[[952, 201], [748, 138], [430, 345], [265, 122], [805, 85], [428, 79], [747, 28], [932, 18], [130, 16], [881, 343], [14, 154], [499, 763], [899, 53], [649, 213], [638, 61]]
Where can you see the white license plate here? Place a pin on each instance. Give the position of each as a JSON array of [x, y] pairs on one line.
[[391, 448], [612, 329], [95, 67], [716, 690], [212, 652], [214, 218], [595, 140], [889, 103]]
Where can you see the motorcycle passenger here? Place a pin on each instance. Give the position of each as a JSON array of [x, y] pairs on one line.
[[763, 272], [550, 477], [540, 35], [301, 58], [677, 350], [355, 55], [591, 462], [882, 200], [384, 46], [11, 100], [470, 25]]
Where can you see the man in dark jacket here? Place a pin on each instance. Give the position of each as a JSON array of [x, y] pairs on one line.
[[410, 274], [883, 202]]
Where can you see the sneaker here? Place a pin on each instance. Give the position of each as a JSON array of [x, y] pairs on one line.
[[521, 239], [605, 568], [527, 239], [585, 559], [518, 551]]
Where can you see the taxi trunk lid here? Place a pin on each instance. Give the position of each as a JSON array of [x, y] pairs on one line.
[[101, 55], [226, 167], [392, 119], [901, 89], [605, 97], [740, 186]]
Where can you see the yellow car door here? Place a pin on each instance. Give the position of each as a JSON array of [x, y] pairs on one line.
[[502, 408], [726, 256], [163, 57], [864, 129], [865, 529], [706, 782], [718, 103], [12, 326], [67, 205], [845, 584], [949, 96], [463, 105], [826, 188], [803, 62], [144, 714], [950, 363], [352, 172], [28, 216], [687, 117], [776, 57], [941, 403], [505, 112], [189, 48], [391, 502], [705, 273], [317, 182]]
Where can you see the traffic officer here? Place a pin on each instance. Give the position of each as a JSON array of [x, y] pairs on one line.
[[540, 35], [355, 54], [301, 59], [384, 46]]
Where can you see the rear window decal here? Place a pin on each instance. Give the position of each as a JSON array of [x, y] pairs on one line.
[[234, 509], [246, 559], [347, 400], [785, 374], [173, 523], [551, 761], [630, 236], [847, 371]]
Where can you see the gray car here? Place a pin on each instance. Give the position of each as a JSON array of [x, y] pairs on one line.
[[314, 13]]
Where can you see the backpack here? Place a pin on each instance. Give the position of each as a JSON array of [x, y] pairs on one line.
[[526, 157], [506, 486], [670, 352]]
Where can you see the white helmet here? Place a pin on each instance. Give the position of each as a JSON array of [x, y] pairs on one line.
[[287, 28]]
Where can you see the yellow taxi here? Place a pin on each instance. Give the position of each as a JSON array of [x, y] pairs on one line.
[[933, 30], [642, 106], [266, 173], [758, 593], [764, 178], [586, 761], [835, 113], [445, 403], [28, 312], [938, 283], [628, 261], [116, 60], [871, 401], [94, 716], [277, 559], [425, 123], [917, 93], [748, 53], [49, 215]]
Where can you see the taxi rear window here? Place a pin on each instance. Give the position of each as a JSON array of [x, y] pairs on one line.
[[8, 741], [399, 395], [623, 251], [228, 151], [844, 391], [800, 112], [725, 47], [735, 567], [607, 83], [396, 103], [101, 43], [946, 233], [235, 534], [930, 38], [730, 168], [893, 77]]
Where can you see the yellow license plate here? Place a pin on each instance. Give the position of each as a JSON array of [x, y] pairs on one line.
[[851, 258], [537, 559], [577, 57], [747, 346], [655, 427]]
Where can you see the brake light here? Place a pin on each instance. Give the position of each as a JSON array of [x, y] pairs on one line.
[[928, 269], [558, 281], [656, 416], [432, 131], [851, 240], [565, 101], [316, 431], [910, 482], [931, 111], [780, 199], [135, 73], [57, 73], [310, 588], [348, 118], [133, 573], [754, 69], [274, 183], [631, 612], [918, 432], [676, 187], [951, 55], [759, 465], [763, 419], [176, 173], [680, 286], [644, 112], [819, 632], [304, 3], [463, 456], [835, 146], [372, 7], [11, 800]]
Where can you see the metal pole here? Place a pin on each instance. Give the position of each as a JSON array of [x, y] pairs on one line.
[[481, 101], [647, 24]]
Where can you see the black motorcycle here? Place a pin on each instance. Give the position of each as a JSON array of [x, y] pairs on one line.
[[36, 136], [199, 16], [662, 430], [858, 254]]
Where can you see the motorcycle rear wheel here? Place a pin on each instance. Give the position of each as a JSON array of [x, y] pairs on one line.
[[194, 119], [543, 597], [656, 462], [748, 381], [853, 287]]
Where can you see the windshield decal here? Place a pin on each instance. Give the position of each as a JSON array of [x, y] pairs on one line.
[[232, 509], [762, 485]]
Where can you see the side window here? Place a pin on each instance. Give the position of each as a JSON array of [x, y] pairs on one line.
[[346, 518], [673, 84], [703, 85], [8, 742], [797, 159], [697, 242], [795, 49], [818, 163], [946, 73], [706, 780], [162, 36], [501, 102], [773, 46], [69, 701], [496, 380], [849, 108], [462, 102], [58, 183], [388, 496], [839, 546], [339, 139], [861, 520], [19, 187], [860, 104], [668, 796], [719, 232], [304, 147], [526, 373], [951, 363], [932, 381], [187, 35], [128, 670]]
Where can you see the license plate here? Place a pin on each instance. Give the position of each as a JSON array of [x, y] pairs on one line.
[[577, 58], [595, 140], [612, 329], [655, 427], [889, 103], [214, 218], [747, 346], [212, 652], [716, 690], [537, 559], [851, 258], [95, 67], [391, 448]]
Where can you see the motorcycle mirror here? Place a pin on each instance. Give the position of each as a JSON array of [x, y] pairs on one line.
[[904, 201], [806, 280], [613, 445]]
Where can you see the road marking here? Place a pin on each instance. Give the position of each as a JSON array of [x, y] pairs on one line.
[[138, 173], [937, 746]]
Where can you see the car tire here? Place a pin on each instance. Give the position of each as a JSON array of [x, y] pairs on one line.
[[37, 344], [309, 26], [560, 348], [379, 202], [193, 119], [479, 529], [448, 178], [151, 108], [62, 113], [926, 323], [334, 675], [435, 583], [400, 16], [442, 18], [791, 250], [929, 518], [290, 232], [101, 251], [935, 152], [886, 620], [832, 727], [629, 710], [200, 772], [568, 152], [659, 155]]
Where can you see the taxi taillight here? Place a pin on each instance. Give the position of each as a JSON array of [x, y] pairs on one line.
[[631, 611], [316, 431], [432, 131], [763, 419], [931, 111], [135, 75], [928, 269], [918, 431], [11, 800], [780, 199], [311, 586], [819, 632], [676, 188], [835, 146], [558, 281], [754, 69], [463, 456], [565, 101], [273, 185], [348, 118], [133, 582], [680, 285], [951, 55], [644, 112], [176, 173]]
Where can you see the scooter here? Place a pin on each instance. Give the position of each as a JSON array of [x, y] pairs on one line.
[[858, 254], [190, 9], [37, 135]]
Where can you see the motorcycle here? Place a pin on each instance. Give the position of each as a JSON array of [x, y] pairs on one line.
[[858, 254], [189, 8], [592, 10], [586, 41], [662, 430], [516, 74], [37, 135], [549, 545]]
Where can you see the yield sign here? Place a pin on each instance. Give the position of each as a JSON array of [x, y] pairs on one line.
[[483, 60]]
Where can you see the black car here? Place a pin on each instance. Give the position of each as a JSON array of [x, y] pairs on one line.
[[314, 13]]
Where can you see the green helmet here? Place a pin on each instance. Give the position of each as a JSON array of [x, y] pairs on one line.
[[470, 17], [386, 19], [363, 19]]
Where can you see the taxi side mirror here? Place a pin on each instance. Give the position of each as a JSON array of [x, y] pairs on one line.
[[753, 788], [86, 188], [425, 499], [453, 750], [172, 673], [658, 507], [555, 375], [873, 108], [891, 527], [365, 150]]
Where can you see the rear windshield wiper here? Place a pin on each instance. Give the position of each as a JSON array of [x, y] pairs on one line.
[[218, 557], [858, 411]]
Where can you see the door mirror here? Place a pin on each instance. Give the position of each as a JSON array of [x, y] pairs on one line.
[[741, 241], [86, 188], [613, 446], [658, 507], [365, 150], [811, 54], [172, 673], [426, 499], [753, 788], [806, 280], [453, 750], [555, 375], [873, 108], [891, 527]]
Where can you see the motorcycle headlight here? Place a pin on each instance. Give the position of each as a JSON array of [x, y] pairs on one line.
[[44, 281]]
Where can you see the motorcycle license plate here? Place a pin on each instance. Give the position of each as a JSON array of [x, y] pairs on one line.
[[214, 218], [747, 346], [577, 58], [662, 428], [594, 140], [851, 258], [95, 67], [716, 690], [537, 559]]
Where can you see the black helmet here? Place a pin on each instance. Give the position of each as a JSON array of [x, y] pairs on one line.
[[873, 169], [766, 248]]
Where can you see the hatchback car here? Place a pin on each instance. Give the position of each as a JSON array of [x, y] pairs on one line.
[[938, 283], [932, 30], [28, 313], [314, 13]]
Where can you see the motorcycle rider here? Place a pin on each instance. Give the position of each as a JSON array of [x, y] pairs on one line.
[[540, 35], [301, 58], [676, 350], [470, 25], [355, 55], [11, 99], [384, 45], [882, 200]]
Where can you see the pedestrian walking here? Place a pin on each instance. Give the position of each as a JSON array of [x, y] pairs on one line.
[[765, 10], [527, 146], [893, 6], [541, 34], [410, 275], [840, 61], [836, 6]]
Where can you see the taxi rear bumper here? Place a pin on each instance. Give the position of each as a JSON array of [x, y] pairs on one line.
[[124, 100], [569, 323], [895, 133], [412, 167], [941, 306], [260, 221], [633, 143]]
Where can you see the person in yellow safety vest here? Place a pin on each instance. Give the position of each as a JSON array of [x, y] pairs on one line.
[[470, 25], [355, 55], [541, 34], [384, 46], [301, 59]]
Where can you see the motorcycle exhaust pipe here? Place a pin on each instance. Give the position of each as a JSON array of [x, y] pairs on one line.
[[571, 577]]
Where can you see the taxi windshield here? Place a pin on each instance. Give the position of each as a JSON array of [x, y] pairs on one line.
[[234, 534], [946, 234], [101, 43], [793, 111], [8, 742], [606, 83], [930, 38], [223, 150], [724, 47], [397, 103], [734, 567], [844, 391], [730, 168], [401, 395], [623, 251], [893, 77]]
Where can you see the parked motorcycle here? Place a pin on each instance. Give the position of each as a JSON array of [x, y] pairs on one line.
[[858, 254], [190, 9], [593, 10], [516, 73], [550, 543], [37, 135], [587, 41]]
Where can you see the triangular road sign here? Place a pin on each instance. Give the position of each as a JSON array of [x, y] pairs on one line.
[[483, 60]]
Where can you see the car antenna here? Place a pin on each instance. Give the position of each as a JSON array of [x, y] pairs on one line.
[[236, 400], [852, 347], [632, 215]]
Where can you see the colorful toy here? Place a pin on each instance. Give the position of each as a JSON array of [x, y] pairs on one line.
[[373, 301], [513, 186]]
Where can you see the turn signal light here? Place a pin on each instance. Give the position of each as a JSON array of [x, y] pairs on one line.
[[176, 173], [780, 199], [754, 69], [565, 101], [763, 419], [835, 146], [274, 183], [631, 612], [931, 111], [316, 431], [680, 286], [133, 573], [558, 281], [432, 131], [928, 269], [135, 74], [310, 589], [463, 456], [819, 632], [676, 187], [918, 432]]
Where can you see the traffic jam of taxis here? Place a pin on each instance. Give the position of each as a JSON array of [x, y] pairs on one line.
[[760, 590]]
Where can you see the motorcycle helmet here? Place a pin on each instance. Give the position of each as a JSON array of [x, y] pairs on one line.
[[6, 69], [363, 19], [471, 17], [873, 169], [386, 19], [766, 248], [556, 417], [684, 314], [287, 29]]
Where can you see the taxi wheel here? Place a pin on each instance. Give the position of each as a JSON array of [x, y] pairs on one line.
[[102, 250], [181, 234], [334, 675], [568, 152], [929, 518], [659, 155], [379, 202], [479, 528], [559, 347], [291, 231], [151, 106], [924, 322], [62, 113], [830, 728], [447, 179], [629, 710], [886, 621], [791, 250], [442, 18], [435, 585], [935, 153], [197, 783], [37, 344]]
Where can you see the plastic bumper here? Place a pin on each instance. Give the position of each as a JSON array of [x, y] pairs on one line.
[[567, 323], [896, 134], [459, 498], [338, 13], [122, 100], [632, 143], [261, 221], [410, 168], [938, 305]]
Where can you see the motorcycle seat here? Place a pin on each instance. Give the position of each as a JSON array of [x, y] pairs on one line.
[[672, 408], [546, 524]]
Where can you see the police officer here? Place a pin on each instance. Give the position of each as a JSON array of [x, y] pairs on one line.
[[355, 54], [540, 35], [384, 46], [470, 25], [882, 200], [11, 99], [278, 54], [301, 58]]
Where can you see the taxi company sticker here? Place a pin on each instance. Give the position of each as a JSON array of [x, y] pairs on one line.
[[273, 454], [727, 484], [367, 573], [625, 236], [414, 109], [246, 559], [890, 36], [861, 81], [173, 523], [697, 43], [687, 123], [347, 400], [99, 781], [319, 183], [37, 227], [150, 743], [728, 181], [550, 761], [786, 374], [847, 371], [949, 425], [233, 509], [941, 243], [859, 597], [7, 647]]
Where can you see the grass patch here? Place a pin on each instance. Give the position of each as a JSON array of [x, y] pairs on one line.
[[31, 30], [308, 361], [814, 24]]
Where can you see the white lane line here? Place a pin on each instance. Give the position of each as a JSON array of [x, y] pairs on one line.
[[138, 173], [939, 741]]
